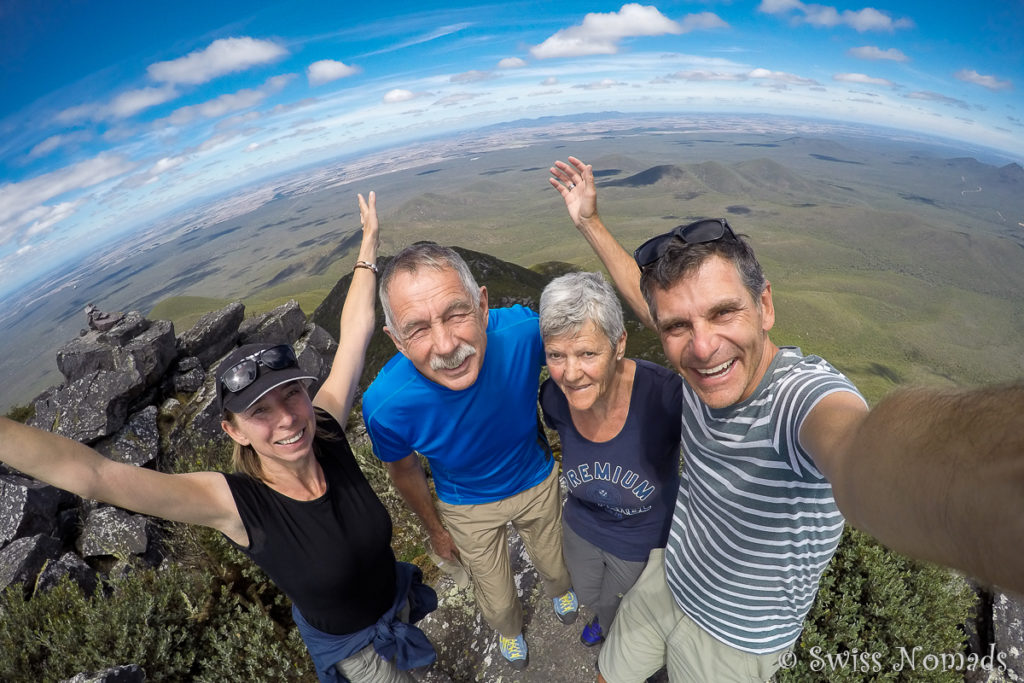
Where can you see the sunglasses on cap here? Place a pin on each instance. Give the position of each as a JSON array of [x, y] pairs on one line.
[[706, 230], [244, 372]]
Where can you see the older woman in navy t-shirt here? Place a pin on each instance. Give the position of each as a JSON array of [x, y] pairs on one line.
[[619, 423]]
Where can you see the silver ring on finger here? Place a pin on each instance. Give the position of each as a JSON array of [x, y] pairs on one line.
[[572, 185]]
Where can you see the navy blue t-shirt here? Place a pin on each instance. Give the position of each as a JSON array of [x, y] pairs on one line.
[[622, 492]]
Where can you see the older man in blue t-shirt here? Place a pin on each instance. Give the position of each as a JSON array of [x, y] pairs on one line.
[[463, 393]]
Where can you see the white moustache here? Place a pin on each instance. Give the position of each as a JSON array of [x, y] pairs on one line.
[[453, 359]]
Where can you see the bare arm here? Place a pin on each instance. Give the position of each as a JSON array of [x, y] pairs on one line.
[[576, 185], [411, 483], [935, 474], [357, 321], [196, 498]]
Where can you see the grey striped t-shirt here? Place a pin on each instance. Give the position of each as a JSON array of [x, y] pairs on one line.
[[755, 523]]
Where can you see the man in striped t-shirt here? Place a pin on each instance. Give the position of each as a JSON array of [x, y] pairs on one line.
[[767, 434]]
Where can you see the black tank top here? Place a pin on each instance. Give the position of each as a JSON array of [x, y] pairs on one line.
[[331, 556]]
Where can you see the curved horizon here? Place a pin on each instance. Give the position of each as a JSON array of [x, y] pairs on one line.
[[142, 109]]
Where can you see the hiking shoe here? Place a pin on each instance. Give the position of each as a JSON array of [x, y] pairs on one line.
[[592, 633], [566, 607], [514, 650]]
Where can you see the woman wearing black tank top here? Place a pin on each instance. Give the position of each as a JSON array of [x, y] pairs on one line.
[[299, 506]]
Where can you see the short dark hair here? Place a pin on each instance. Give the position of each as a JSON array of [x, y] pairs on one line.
[[679, 259]]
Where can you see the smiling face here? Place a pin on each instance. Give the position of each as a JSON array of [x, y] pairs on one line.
[[439, 326], [280, 426], [583, 364], [715, 333]]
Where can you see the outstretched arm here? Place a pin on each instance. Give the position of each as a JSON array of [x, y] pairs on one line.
[[357, 321], [411, 483], [197, 498], [935, 474], [575, 183]]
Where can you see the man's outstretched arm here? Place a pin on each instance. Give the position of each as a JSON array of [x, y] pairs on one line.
[[937, 474]]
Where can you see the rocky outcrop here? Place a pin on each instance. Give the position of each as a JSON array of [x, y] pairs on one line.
[[123, 380]]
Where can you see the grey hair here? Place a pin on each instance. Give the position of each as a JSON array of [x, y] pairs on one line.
[[680, 260], [569, 301], [425, 255]]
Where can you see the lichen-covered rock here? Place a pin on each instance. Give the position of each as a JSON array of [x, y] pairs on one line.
[[29, 507], [189, 375], [90, 408], [72, 566], [112, 531], [1008, 627], [137, 443], [283, 325], [129, 673], [213, 335], [152, 351], [22, 558]]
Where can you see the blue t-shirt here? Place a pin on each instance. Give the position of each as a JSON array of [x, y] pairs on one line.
[[484, 443], [622, 491]]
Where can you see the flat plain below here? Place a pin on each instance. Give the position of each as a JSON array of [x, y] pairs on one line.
[[900, 261]]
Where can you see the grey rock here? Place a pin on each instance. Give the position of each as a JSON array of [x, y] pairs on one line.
[[90, 408], [1008, 627], [72, 566], [213, 335], [283, 325], [129, 673], [152, 351], [188, 382], [137, 443], [112, 531], [130, 326], [320, 339], [29, 507], [22, 558], [85, 355]]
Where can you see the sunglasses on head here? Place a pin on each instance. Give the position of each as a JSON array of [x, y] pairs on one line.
[[706, 230], [244, 372]]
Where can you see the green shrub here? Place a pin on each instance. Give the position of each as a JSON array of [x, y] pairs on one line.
[[176, 623], [872, 606], [22, 413]]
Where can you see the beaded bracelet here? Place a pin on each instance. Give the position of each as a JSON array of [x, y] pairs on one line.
[[367, 265]]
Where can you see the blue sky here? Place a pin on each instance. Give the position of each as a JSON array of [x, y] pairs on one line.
[[114, 113]]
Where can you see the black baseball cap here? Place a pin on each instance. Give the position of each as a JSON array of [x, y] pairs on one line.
[[252, 370]]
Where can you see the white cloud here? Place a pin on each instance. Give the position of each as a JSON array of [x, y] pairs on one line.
[[781, 77], [602, 84], [863, 78], [327, 70], [132, 102], [990, 82], [706, 76], [550, 80], [398, 95], [47, 146], [223, 56], [228, 102], [599, 34], [704, 21], [473, 76], [24, 204], [511, 63], [824, 16], [875, 53], [937, 97]]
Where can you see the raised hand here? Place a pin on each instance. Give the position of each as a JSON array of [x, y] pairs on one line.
[[575, 182]]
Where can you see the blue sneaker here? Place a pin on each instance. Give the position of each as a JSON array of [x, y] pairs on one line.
[[514, 650], [592, 633], [566, 607]]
